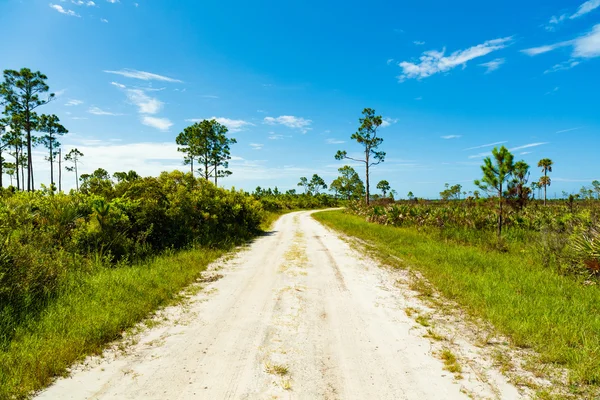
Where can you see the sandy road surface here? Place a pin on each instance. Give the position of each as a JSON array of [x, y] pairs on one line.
[[299, 298]]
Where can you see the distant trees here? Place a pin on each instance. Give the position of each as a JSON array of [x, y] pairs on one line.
[[74, 157], [208, 144], [314, 186], [22, 92], [304, 184], [348, 184], [451, 192], [367, 137], [50, 124], [546, 165], [495, 175], [384, 186]]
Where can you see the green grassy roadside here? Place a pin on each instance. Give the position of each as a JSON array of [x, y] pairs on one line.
[[555, 315], [90, 312]]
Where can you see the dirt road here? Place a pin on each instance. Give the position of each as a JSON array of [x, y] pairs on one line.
[[297, 315]]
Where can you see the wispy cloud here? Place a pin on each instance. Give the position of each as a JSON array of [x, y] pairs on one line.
[[104, 20], [64, 11], [484, 145], [162, 124], [99, 111], [524, 153], [334, 141], [448, 137], [584, 46], [534, 51], [388, 122], [418, 43], [570, 129], [290, 121], [432, 62], [275, 136], [493, 65], [209, 96], [585, 8], [73, 102], [556, 88], [233, 125], [145, 76], [139, 98], [527, 146], [563, 66], [256, 146]]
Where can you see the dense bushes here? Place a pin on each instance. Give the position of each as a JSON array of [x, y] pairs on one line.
[[46, 238], [285, 202]]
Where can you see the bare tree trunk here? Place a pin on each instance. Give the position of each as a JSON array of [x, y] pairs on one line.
[[500, 213], [76, 177], [60, 170], [22, 171], [51, 163], [367, 173], [17, 165]]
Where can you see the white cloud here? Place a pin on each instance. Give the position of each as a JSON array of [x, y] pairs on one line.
[[563, 66], [552, 91], [275, 136], [584, 46], [588, 46], [585, 8], [290, 121], [418, 43], [334, 141], [145, 76], [534, 51], [432, 62], [448, 137], [99, 111], [233, 125], [104, 20], [61, 10], [256, 146], [113, 1], [526, 146], [484, 145], [570, 129], [162, 124], [139, 98], [493, 65], [389, 61], [524, 153], [419, 98], [90, 4], [73, 102], [388, 122]]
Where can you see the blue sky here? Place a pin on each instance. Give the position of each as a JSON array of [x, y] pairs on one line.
[[290, 80]]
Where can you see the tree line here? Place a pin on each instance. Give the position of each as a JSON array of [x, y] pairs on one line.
[[22, 128]]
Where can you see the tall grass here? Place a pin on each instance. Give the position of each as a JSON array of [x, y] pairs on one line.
[[535, 306], [89, 311]]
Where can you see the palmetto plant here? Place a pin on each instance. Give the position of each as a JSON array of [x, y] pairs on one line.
[[587, 248]]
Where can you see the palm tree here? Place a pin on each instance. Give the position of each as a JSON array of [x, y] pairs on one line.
[[546, 165], [545, 181]]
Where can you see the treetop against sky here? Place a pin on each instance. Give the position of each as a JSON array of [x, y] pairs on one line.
[[452, 80]]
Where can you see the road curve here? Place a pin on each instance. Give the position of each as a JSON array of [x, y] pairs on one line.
[[299, 299]]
